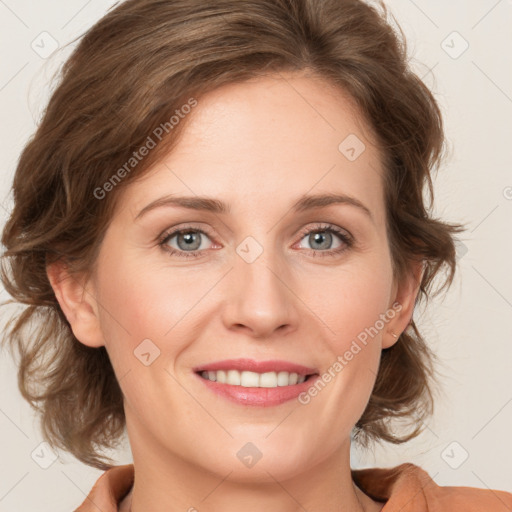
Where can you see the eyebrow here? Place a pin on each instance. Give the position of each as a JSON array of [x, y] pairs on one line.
[[215, 206]]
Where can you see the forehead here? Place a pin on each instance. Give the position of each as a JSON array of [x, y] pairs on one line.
[[272, 137]]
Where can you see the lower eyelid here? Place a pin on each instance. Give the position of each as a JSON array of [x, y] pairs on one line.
[[345, 239]]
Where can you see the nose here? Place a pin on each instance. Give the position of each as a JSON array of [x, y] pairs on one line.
[[260, 301]]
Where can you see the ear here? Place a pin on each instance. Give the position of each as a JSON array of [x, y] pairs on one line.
[[404, 298], [77, 300]]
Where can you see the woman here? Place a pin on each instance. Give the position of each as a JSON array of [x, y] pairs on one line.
[[165, 229]]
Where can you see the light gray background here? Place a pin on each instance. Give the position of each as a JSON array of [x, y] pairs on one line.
[[470, 328]]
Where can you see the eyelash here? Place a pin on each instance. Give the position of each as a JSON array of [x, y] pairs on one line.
[[345, 238]]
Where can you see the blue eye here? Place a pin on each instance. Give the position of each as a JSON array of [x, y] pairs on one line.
[[191, 238], [323, 235], [188, 238]]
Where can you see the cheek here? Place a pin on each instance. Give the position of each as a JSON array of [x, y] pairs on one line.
[[354, 305], [352, 301], [148, 315], [147, 300]]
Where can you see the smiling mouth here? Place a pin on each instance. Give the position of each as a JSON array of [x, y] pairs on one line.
[[250, 379]]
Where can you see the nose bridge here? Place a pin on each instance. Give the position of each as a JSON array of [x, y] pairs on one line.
[[259, 298]]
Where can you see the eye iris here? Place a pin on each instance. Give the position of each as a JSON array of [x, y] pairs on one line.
[[319, 236], [193, 240]]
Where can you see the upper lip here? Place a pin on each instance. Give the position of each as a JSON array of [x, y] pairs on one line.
[[244, 364]]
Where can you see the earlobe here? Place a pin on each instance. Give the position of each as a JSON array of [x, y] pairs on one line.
[[77, 303], [405, 297]]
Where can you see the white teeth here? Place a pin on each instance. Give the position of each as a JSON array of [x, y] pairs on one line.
[[233, 377], [252, 379]]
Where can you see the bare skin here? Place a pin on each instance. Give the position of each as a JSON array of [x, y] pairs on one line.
[[257, 146]]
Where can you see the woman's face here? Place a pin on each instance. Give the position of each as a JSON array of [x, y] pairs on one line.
[[248, 281]]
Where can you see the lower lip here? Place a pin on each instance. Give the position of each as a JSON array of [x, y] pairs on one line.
[[261, 397]]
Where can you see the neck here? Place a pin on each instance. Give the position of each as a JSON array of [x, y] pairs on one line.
[[171, 484], [364, 504]]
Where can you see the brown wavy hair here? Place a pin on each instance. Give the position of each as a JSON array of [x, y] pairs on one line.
[[128, 75]]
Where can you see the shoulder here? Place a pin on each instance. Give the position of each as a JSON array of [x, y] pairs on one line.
[[109, 489], [471, 499], [408, 487]]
